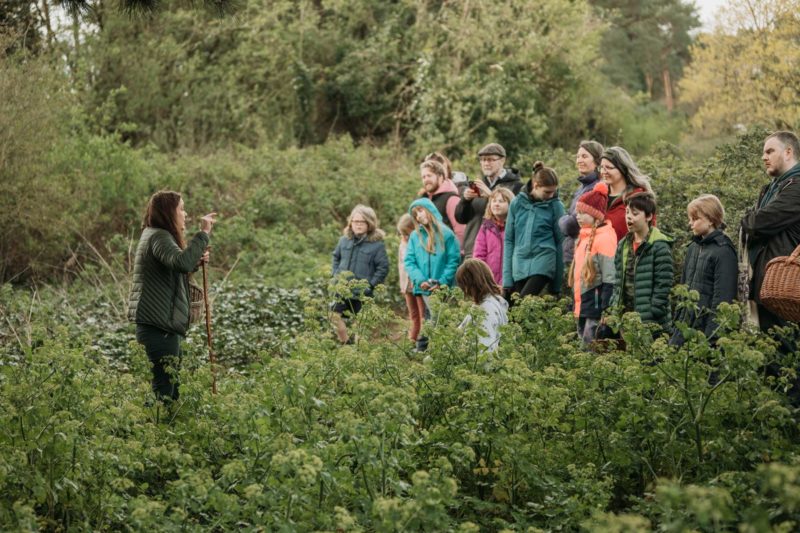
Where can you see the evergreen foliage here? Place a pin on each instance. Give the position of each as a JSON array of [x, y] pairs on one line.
[[367, 437], [647, 43], [284, 117]]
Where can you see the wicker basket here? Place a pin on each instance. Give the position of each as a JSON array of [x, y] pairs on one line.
[[780, 292], [197, 306]]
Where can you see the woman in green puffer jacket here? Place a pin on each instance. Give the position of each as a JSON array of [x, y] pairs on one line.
[[159, 297]]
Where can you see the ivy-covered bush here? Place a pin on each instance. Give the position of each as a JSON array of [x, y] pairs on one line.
[[253, 318], [373, 436], [309, 435]]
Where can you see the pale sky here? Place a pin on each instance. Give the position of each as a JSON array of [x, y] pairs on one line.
[[707, 9]]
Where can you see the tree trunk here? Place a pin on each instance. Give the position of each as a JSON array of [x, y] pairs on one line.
[[47, 24], [648, 79], [76, 35], [669, 100]]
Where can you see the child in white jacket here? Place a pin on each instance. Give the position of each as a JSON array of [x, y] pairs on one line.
[[477, 281]]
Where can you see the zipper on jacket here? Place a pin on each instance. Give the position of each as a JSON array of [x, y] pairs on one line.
[[636, 256], [429, 266], [171, 317], [353, 252], [188, 298], [172, 305]]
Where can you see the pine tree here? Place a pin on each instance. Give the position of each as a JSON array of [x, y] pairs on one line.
[[647, 43]]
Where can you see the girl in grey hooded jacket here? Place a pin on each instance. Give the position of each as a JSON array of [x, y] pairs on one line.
[[478, 284]]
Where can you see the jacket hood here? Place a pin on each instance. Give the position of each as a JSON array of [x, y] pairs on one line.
[[377, 235], [511, 176], [605, 227], [657, 235], [525, 194], [492, 225], [769, 190], [495, 304], [618, 199], [427, 204], [717, 236], [446, 186], [791, 173], [589, 178]]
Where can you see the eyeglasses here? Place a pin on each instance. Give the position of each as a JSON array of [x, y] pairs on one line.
[[488, 159], [607, 168], [358, 221]]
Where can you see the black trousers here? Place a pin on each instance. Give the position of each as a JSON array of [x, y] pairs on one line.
[[533, 285], [787, 345], [163, 349], [347, 307], [767, 320]]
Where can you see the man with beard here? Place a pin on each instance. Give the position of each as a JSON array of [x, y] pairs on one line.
[[772, 226], [443, 193]]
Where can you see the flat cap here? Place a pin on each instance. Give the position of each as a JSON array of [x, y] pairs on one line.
[[492, 149]]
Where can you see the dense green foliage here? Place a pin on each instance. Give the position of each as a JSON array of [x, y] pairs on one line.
[[282, 119], [263, 193], [305, 434], [369, 437], [298, 71], [417, 73]]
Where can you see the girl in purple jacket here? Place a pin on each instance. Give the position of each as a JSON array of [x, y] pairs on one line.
[[489, 241]]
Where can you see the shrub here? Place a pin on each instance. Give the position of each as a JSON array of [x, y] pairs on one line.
[[537, 435]]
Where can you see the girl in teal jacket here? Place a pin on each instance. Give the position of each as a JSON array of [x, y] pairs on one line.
[[532, 258], [430, 262], [432, 255]]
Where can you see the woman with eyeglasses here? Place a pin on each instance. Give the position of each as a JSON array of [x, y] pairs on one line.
[[622, 176]]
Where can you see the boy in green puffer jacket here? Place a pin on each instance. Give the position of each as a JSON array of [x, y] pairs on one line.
[[644, 264]]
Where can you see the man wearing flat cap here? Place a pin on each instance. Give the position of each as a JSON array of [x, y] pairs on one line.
[[471, 207]]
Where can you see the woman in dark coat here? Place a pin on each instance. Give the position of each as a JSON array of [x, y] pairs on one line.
[[159, 298]]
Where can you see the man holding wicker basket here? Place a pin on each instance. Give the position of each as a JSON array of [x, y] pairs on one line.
[[772, 236]]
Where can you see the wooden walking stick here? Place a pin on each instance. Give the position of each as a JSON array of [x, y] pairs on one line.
[[208, 332]]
